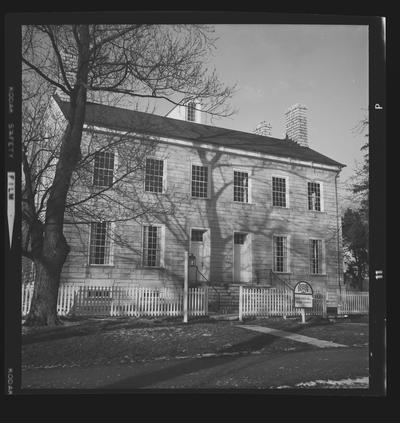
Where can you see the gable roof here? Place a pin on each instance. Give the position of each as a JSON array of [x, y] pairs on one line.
[[117, 118]]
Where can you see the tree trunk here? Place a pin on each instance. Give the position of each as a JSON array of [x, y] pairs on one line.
[[54, 249], [43, 311]]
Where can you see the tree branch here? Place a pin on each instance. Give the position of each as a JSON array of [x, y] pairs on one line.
[[44, 76]]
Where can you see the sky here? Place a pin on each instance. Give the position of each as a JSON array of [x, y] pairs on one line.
[[324, 67]]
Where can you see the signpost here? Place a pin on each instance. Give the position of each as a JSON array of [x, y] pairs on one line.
[[186, 288], [303, 298]]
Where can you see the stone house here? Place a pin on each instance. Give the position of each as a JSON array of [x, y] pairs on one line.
[[252, 209]]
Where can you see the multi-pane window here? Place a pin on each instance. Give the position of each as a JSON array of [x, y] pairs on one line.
[[191, 112], [241, 186], [103, 172], [280, 254], [314, 196], [152, 246], [316, 256], [154, 175], [100, 243], [199, 181], [278, 192]]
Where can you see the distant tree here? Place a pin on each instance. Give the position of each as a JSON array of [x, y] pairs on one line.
[[360, 183], [86, 62], [355, 240], [355, 220]]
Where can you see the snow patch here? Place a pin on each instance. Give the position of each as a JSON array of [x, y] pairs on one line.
[[361, 382]]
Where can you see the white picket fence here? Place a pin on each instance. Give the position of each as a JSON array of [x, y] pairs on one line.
[[265, 302], [353, 302], [123, 301]]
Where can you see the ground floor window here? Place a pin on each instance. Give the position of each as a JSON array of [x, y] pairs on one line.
[[280, 254], [152, 246], [100, 243], [316, 262]]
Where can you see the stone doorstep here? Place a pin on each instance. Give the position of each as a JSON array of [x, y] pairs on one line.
[[219, 316]]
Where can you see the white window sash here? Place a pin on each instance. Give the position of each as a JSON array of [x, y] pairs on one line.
[[109, 238], [286, 253], [208, 167], [164, 176], [249, 185], [286, 178], [160, 242]]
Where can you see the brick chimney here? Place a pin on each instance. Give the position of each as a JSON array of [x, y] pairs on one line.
[[264, 128], [296, 124]]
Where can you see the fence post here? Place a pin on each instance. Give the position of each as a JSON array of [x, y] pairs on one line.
[[186, 288], [240, 303]]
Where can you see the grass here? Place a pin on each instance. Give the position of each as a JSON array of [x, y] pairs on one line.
[[97, 341]]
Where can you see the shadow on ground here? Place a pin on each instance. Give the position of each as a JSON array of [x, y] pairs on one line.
[[83, 327]]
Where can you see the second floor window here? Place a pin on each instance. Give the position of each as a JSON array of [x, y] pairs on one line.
[[199, 181], [103, 172], [280, 254], [316, 256], [154, 175], [314, 196], [191, 111], [241, 186], [100, 243], [279, 192]]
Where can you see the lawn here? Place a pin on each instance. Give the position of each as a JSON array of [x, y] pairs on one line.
[[96, 341]]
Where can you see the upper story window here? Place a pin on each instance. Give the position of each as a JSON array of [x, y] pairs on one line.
[[103, 171], [316, 258], [154, 175], [100, 243], [241, 186], [314, 196], [280, 254], [199, 181], [191, 111], [152, 246], [279, 192]]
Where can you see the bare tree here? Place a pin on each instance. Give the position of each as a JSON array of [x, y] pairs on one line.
[[102, 63]]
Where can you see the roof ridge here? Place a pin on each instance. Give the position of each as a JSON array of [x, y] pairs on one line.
[[171, 127]]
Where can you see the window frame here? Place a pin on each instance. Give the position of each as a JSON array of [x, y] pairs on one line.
[[288, 267], [161, 265], [114, 170], [164, 177], [286, 178], [321, 196], [322, 259], [111, 229], [249, 185], [191, 108], [209, 173]]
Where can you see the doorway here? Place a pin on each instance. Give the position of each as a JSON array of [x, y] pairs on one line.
[[241, 257], [200, 248]]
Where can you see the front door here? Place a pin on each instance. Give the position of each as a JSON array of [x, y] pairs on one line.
[[241, 257], [200, 248]]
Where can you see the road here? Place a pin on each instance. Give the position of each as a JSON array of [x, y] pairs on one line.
[[253, 371]]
